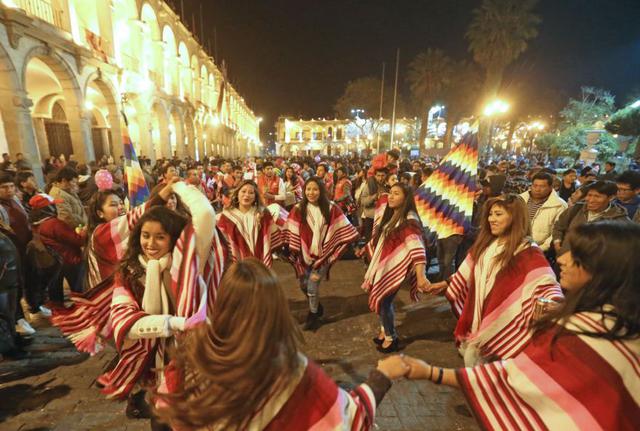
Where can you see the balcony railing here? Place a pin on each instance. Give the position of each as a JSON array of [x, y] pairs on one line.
[[44, 10]]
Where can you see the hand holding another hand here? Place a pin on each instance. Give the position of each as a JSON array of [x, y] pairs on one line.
[[394, 367]]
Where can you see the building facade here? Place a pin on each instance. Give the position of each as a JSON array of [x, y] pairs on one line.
[[341, 137], [69, 68]]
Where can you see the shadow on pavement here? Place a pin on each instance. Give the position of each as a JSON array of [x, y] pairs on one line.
[[336, 308], [26, 397]]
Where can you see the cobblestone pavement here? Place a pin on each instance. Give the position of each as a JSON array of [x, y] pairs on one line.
[[54, 389]]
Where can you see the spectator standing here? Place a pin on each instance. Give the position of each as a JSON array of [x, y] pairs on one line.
[[271, 186], [610, 173], [15, 217], [597, 205], [27, 187], [544, 207], [568, 184], [70, 209], [628, 188]]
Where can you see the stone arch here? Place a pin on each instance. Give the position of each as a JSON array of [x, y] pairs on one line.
[[184, 72], [111, 140], [152, 47], [159, 129], [176, 129], [79, 125], [196, 84], [17, 129], [169, 56]]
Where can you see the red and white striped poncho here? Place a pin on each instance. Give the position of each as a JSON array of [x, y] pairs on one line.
[[572, 382], [336, 236], [402, 249], [260, 242], [314, 402], [86, 323], [507, 308], [193, 293]]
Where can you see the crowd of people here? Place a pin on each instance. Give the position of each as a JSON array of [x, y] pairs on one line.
[[544, 285]]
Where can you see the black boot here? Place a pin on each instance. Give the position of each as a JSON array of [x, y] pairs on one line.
[[137, 406], [313, 319]]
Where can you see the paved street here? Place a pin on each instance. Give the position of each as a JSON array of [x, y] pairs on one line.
[[54, 389]]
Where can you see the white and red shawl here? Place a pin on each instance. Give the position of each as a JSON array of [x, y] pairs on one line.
[[336, 236], [507, 308], [314, 402], [259, 240], [394, 260], [572, 382], [86, 323], [193, 294]]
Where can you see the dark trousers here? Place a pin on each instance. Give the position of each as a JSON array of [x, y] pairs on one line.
[[42, 284], [447, 249], [8, 304], [367, 228]]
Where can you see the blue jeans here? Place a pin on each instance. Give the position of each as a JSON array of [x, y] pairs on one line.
[[387, 316], [313, 286]]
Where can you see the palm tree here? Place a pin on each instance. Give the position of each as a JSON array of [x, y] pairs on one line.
[[461, 95], [428, 75], [498, 34]]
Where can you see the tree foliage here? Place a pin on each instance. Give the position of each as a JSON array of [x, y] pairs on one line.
[[581, 115], [625, 122], [429, 74], [364, 93], [498, 34], [460, 95]]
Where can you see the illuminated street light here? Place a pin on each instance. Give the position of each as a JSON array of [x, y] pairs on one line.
[[496, 107], [636, 104], [536, 125], [400, 129]]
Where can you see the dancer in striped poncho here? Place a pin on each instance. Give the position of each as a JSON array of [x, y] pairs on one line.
[[86, 322], [581, 369], [244, 371], [396, 253], [165, 284], [494, 291], [248, 228], [317, 233]]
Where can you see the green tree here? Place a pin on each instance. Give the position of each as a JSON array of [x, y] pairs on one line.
[[460, 95], [588, 112], [364, 93], [498, 34], [429, 73], [625, 122]]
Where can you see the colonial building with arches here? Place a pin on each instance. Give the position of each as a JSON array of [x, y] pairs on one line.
[[69, 68]]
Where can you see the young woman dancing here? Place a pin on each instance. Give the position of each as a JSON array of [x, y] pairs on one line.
[[244, 371], [247, 227], [581, 368], [396, 253], [494, 292], [86, 322], [317, 233]]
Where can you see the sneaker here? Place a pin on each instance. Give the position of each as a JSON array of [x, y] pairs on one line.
[[23, 327], [45, 311]]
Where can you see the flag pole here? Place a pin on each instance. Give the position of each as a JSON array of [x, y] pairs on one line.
[[395, 96], [380, 116]]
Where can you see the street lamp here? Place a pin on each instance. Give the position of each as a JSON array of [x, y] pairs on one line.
[[636, 104], [493, 109]]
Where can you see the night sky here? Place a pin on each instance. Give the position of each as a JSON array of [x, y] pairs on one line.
[[295, 57]]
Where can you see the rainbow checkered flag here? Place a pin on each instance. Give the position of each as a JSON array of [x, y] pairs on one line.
[[136, 185], [445, 200]]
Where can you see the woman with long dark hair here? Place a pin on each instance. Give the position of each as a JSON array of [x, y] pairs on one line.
[[244, 371], [494, 291], [247, 227], [86, 322], [165, 283], [581, 368], [318, 233], [293, 186], [396, 253]]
